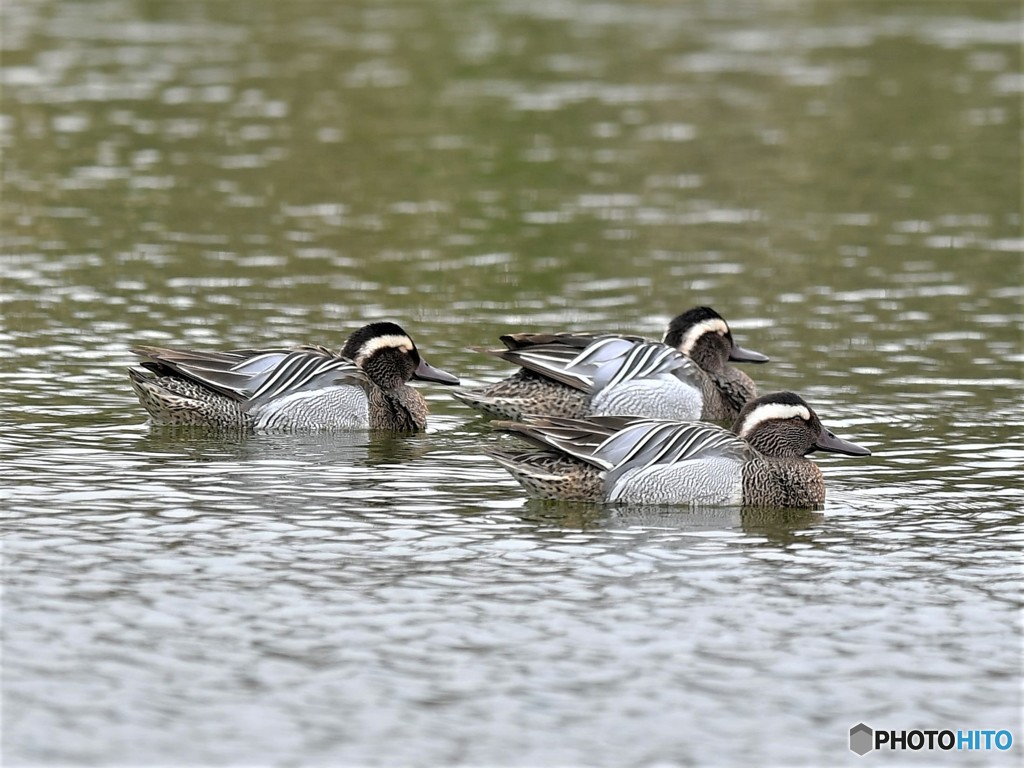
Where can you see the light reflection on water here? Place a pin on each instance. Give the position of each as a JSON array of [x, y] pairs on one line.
[[223, 176], [359, 592]]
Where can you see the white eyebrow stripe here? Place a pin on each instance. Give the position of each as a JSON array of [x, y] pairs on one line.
[[711, 325], [388, 341], [770, 412]]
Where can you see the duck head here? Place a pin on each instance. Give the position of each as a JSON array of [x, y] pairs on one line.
[[703, 335], [388, 356], [783, 425]]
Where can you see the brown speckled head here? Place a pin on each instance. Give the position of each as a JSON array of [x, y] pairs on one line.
[[703, 335], [389, 357], [783, 425]]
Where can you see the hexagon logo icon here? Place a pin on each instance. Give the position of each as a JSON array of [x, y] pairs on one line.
[[861, 739]]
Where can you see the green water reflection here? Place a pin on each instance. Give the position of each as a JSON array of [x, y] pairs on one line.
[[840, 179], [413, 156]]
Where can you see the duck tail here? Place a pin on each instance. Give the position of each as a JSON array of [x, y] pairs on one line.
[[488, 405], [550, 475], [172, 400]]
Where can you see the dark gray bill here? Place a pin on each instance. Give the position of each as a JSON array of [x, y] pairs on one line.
[[741, 355], [426, 372], [828, 442]]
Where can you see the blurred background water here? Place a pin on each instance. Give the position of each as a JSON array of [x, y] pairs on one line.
[[841, 180]]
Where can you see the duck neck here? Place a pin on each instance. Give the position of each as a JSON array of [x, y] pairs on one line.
[[783, 482], [735, 389], [400, 410]]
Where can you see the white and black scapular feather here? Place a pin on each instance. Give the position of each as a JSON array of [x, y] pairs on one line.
[[686, 376], [760, 462], [308, 387], [618, 376]]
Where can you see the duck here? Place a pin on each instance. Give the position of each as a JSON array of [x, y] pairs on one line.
[[308, 387], [686, 376], [759, 462]]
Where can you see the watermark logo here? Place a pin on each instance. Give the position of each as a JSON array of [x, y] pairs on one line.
[[864, 738], [861, 739]]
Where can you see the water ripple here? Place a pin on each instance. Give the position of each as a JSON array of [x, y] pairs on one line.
[[219, 175]]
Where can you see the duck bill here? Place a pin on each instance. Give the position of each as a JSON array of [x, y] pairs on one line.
[[741, 355], [426, 372], [828, 442]]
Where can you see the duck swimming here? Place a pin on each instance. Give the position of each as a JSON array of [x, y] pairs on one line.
[[365, 386]]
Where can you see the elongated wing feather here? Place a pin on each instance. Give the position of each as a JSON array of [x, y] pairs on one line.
[[605, 361], [617, 443], [660, 442], [548, 360], [580, 438], [223, 372], [255, 376], [516, 341], [304, 370], [615, 361]]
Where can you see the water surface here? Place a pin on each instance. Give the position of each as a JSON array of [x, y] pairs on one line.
[[841, 180]]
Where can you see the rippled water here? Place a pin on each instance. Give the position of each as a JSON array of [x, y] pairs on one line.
[[840, 179]]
